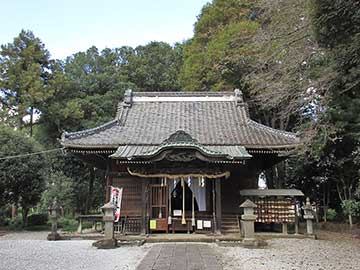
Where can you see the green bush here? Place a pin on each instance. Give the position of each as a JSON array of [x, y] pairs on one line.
[[4, 214], [37, 219], [331, 214], [351, 207], [14, 224], [68, 224]]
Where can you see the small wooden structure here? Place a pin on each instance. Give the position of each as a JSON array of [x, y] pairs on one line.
[[181, 158], [275, 206]]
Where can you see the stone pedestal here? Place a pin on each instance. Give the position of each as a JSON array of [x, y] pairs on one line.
[[109, 240], [248, 221], [284, 228], [54, 210], [308, 216]]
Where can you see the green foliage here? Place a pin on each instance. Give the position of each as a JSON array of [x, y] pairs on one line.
[[68, 224], [14, 224], [22, 180], [337, 131], [37, 219], [351, 207], [154, 67], [59, 187], [221, 52], [331, 214], [23, 76], [87, 88]]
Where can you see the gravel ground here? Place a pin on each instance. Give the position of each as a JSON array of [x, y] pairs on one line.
[[30, 250], [335, 252], [20, 251]]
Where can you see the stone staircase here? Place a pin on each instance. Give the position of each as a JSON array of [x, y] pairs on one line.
[[229, 223]]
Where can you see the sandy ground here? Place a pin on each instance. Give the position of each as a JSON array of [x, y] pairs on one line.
[[332, 251]]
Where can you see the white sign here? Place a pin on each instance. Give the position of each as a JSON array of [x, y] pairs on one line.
[[199, 224], [177, 213], [207, 224], [115, 199]]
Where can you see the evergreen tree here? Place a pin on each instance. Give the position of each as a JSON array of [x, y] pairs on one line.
[[23, 78], [22, 179]]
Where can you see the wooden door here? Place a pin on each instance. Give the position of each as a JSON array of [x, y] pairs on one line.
[[159, 206]]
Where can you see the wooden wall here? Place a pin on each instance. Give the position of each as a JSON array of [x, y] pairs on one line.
[[132, 201]]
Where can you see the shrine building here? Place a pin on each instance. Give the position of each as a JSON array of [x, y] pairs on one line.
[[182, 158]]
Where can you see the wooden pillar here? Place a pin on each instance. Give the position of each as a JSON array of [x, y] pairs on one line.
[[108, 181], [214, 205], [143, 206], [218, 205]]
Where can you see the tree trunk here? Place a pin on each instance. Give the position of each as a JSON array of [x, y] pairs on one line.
[[350, 220], [25, 212], [13, 211], [31, 120]]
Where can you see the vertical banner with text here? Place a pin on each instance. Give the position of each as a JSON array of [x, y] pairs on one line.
[[115, 198]]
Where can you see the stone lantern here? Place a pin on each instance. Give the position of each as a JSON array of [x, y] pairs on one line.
[[54, 210], [108, 219], [248, 220], [109, 240], [308, 216]]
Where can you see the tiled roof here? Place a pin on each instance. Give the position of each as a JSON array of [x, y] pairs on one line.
[[271, 192], [213, 119], [181, 140]]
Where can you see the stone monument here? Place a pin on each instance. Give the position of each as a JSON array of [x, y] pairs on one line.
[[54, 210], [308, 216]]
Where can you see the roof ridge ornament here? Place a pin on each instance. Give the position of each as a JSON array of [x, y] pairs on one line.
[[128, 98], [239, 99], [180, 136]]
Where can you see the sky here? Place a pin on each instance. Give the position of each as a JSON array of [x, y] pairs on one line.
[[69, 26]]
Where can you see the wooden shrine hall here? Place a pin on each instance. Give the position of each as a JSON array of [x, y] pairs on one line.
[[181, 158]]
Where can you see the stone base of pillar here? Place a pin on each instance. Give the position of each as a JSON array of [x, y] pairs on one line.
[[53, 237], [106, 243], [284, 228], [248, 226]]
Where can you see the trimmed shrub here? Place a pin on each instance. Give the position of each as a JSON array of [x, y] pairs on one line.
[[68, 224], [331, 214], [37, 219]]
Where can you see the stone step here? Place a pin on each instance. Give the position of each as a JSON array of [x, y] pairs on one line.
[[230, 223], [230, 231]]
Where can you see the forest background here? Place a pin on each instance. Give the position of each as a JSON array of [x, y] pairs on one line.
[[296, 61]]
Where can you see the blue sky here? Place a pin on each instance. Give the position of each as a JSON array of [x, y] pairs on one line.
[[68, 26]]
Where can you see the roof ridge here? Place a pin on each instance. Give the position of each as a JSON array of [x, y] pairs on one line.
[[89, 131], [283, 132], [183, 94]]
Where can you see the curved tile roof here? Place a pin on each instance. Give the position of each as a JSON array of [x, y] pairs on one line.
[[211, 118]]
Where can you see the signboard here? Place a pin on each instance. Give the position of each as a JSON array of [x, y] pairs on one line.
[[177, 213], [207, 224], [115, 199], [199, 224], [152, 224]]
